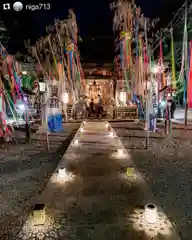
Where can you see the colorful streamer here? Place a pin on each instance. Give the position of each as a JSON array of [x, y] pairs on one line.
[[189, 88], [173, 62], [161, 64]]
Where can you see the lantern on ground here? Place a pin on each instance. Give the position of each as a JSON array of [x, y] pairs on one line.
[[111, 134], [150, 213], [39, 214], [130, 172], [62, 173], [76, 142], [120, 152]]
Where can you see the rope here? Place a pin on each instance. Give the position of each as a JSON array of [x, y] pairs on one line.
[[173, 24]]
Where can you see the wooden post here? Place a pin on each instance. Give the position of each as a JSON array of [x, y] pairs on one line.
[[146, 118], [186, 115], [47, 139], [186, 103]]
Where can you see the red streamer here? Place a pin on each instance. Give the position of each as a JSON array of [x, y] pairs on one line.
[[189, 90]]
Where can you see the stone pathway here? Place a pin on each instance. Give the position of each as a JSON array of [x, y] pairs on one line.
[[97, 199]]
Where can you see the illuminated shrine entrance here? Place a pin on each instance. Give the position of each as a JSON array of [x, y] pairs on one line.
[[104, 88]]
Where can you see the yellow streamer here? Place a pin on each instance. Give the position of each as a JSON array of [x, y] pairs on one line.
[[173, 62]]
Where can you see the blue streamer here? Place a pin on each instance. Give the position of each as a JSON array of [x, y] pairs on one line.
[[121, 55], [71, 67], [137, 101], [18, 80], [136, 36], [71, 63]]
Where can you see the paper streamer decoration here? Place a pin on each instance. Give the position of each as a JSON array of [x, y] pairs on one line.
[[161, 64], [185, 60], [173, 61]]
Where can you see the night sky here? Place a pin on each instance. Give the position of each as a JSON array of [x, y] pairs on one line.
[[94, 19]]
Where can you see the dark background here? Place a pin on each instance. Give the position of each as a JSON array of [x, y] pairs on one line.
[[94, 19]]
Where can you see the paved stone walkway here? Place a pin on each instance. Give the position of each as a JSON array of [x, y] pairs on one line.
[[97, 200]]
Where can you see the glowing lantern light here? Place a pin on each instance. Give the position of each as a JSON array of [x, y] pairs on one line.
[[120, 152], [65, 97], [81, 129], [63, 173], [39, 214], [111, 134], [42, 87], [122, 97], [150, 213], [130, 172], [76, 141]]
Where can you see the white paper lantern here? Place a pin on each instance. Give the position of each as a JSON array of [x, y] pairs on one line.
[[123, 97], [65, 97], [120, 152], [107, 125], [150, 213], [42, 87], [62, 173]]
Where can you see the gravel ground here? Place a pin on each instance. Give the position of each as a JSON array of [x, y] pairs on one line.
[[167, 169], [25, 170]]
